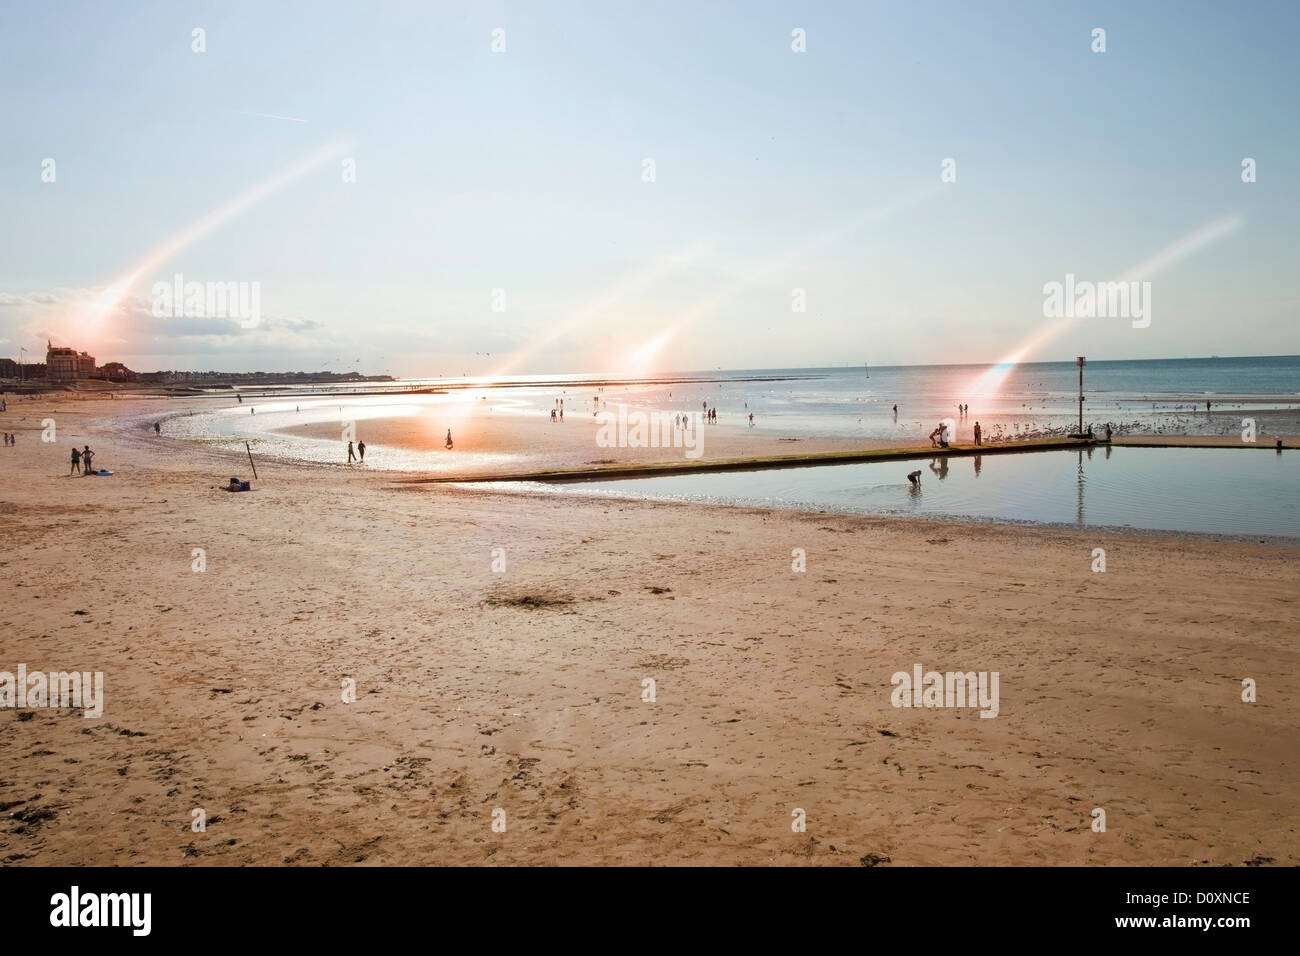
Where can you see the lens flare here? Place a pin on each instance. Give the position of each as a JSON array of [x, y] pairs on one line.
[[990, 382], [91, 317]]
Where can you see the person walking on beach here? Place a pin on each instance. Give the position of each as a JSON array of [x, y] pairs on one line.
[[352, 456], [978, 433], [76, 461], [361, 450], [1207, 404]]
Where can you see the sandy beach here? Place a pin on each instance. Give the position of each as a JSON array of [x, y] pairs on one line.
[[521, 690]]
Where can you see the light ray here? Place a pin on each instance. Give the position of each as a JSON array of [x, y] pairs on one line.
[[110, 299], [992, 379], [762, 271]]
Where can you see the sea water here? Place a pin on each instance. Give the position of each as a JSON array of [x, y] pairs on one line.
[[1235, 491]]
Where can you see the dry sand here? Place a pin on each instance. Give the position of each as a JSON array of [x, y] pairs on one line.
[[522, 690]]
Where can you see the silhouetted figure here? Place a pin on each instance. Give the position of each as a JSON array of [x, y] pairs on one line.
[[978, 433], [352, 456], [448, 438], [361, 450], [915, 478], [157, 428]]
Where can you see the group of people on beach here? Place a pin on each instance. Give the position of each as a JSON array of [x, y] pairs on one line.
[[82, 462], [9, 439], [352, 456]]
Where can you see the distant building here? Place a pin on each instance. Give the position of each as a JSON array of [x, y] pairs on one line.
[[67, 365], [117, 372], [9, 368]]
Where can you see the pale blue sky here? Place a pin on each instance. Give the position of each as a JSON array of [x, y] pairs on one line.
[[522, 171]]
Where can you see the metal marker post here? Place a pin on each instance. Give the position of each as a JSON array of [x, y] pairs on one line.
[[1081, 360]]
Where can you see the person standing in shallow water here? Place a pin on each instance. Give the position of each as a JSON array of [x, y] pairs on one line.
[[978, 433]]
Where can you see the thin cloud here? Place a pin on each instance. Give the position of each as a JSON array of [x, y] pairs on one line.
[[291, 119]]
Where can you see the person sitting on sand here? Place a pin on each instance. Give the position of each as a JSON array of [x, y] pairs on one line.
[[76, 461], [361, 450]]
